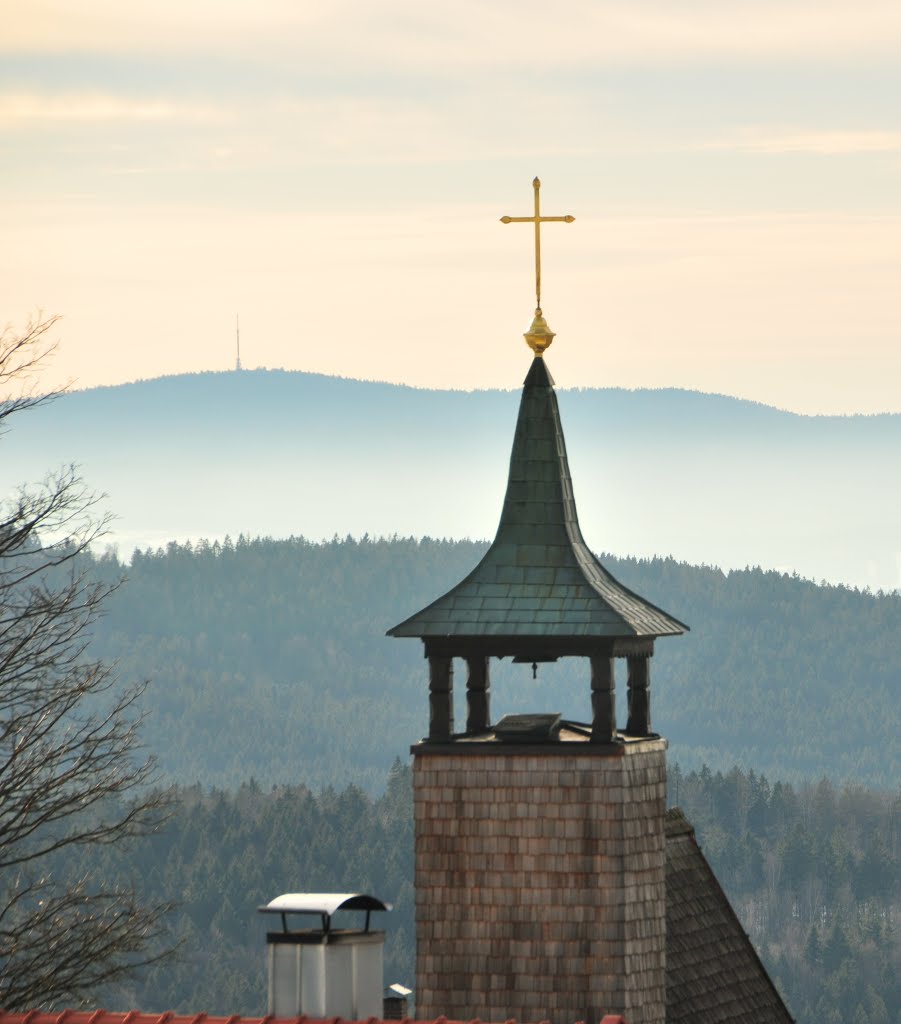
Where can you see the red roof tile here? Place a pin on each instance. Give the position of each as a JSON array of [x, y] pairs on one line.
[[136, 1017]]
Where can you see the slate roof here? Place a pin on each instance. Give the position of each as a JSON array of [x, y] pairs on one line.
[[713, 974], [538, 578]]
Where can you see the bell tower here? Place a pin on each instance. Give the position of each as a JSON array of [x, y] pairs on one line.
[[540, 844]]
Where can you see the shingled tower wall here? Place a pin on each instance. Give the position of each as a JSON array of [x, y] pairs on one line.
[[540, 881]]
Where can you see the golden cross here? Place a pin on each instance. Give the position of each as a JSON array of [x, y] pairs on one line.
[[537, 220]]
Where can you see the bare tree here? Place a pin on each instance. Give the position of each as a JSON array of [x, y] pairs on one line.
[[71, 769]]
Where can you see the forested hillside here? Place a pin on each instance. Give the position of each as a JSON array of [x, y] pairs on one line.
[[268, 659], [813, 872]]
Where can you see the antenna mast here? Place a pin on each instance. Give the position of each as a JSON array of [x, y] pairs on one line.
[[238, 341]]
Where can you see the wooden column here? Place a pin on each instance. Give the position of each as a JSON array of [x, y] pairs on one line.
[[603, 699], [441, 697], [478, 695], [639, 696]]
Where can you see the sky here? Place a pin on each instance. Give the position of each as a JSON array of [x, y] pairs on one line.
[[335, 174]]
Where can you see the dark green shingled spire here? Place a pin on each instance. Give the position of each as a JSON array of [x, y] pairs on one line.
[[539, 579]]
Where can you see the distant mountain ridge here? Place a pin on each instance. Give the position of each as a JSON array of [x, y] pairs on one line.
[[705, 478]]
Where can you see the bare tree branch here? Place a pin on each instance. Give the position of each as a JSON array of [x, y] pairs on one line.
[[72, 773], [22, 356]]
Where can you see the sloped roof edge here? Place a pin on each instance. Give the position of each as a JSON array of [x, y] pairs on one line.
[[713, 971]]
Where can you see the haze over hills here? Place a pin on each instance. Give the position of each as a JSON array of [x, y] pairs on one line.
[[704, 478]]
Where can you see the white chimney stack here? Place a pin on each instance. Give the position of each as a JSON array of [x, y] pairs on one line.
[[324, 971]]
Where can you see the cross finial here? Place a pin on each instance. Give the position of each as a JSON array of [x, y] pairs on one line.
[[539, 335]]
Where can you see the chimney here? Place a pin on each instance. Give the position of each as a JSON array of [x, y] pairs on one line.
[[395, 1003], [325, 971]]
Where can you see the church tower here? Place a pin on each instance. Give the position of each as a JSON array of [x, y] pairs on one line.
[[540, 843]]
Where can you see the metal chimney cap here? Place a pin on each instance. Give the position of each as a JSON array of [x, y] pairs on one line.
[[322, 903]]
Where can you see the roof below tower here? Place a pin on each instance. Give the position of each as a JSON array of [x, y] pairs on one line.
[[713, 974], [539, 579]]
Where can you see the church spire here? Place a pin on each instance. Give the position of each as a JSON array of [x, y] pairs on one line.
[[539, 593]]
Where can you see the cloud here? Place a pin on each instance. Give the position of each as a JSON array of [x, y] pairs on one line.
[[22, 108], [404, 34], [305, 130], [823, 143], [400, 130]]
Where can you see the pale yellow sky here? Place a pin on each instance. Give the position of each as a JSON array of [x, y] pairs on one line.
[[335, 174]]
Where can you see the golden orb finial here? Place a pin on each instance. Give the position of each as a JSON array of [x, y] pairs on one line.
[[539, 336]]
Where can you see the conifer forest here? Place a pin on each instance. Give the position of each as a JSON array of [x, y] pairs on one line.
[[281, 719], [812, 871]]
